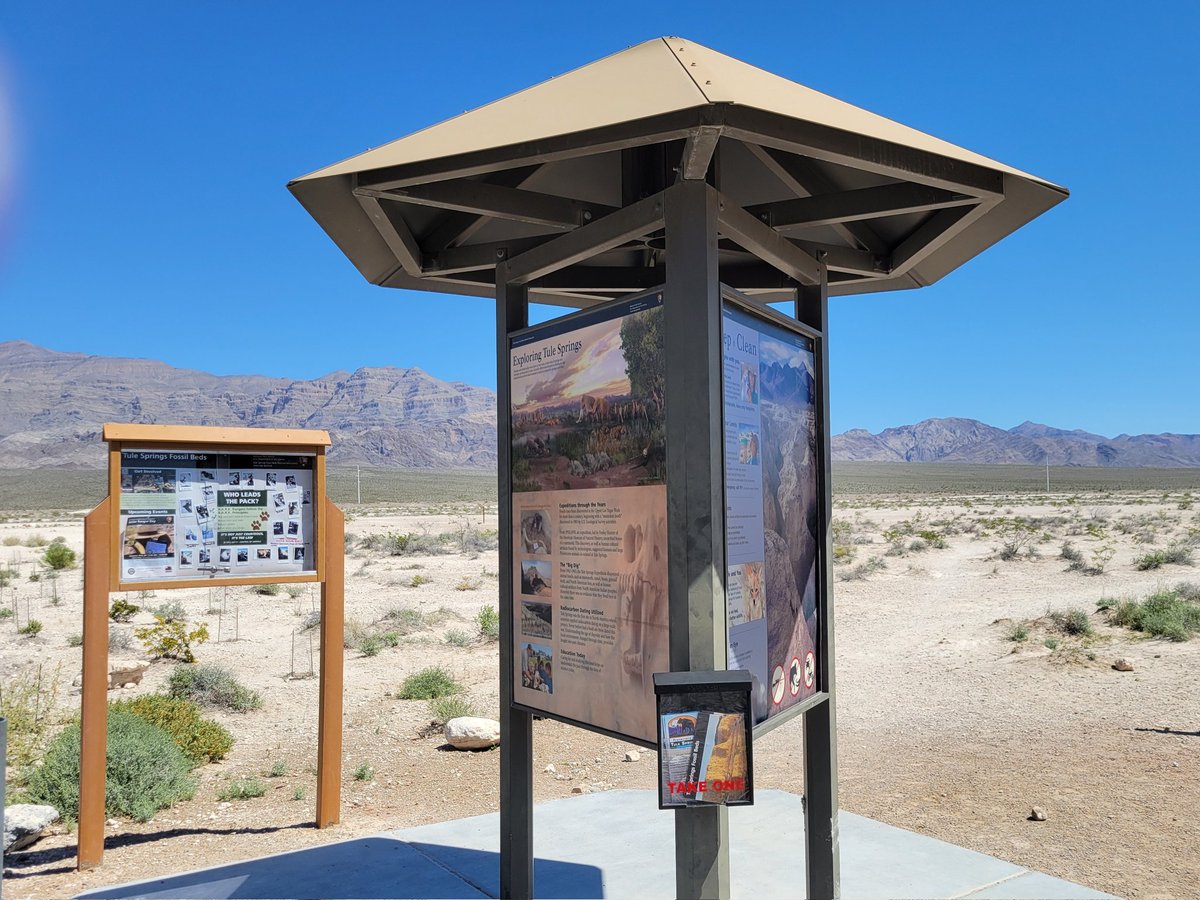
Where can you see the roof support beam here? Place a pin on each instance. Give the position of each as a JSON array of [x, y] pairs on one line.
[[852, 206], [932, 234], [456, 227], [846, 259], [858, 151], [698, 152], [805, 180], [395, 233], [476, 257], [583, 243], [483, 199], [766, 243]]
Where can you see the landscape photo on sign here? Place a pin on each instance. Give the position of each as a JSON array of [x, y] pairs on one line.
[[589, 511]]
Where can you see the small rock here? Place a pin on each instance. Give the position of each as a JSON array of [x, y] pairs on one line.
[[472, 733], [224, 805], [597, 759], [112, 823], [25, 822], [1124, 664], [581, 789], [1037, 814], [551, 769], [632, 756]]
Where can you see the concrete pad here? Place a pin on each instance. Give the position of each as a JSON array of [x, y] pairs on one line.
[[617, 844]]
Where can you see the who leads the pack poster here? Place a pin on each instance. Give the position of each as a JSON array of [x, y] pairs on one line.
[[589, 514]]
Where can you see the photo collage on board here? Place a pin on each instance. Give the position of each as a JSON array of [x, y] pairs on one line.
[[536, 618], [197, 515]]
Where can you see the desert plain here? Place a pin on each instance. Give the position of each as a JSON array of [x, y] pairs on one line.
[[974, 668]]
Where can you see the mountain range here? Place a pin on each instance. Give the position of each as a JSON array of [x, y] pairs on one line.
[[53, 404]]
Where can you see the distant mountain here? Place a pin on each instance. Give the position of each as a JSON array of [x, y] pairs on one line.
[[52, 406], [969, 441]]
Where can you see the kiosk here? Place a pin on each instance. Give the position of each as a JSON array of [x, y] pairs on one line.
[[670, 517]]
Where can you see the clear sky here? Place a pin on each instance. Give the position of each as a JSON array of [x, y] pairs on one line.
[[145, 148]]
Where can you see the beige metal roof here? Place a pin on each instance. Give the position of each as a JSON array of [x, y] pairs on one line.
[[885, 205]]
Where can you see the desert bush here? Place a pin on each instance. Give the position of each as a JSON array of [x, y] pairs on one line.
[[1188, 590], [311, 620], [488, 620], [862, 570], [242, 789], [1072, 621], [172, 611], [917, 546], [75, 640], [364, 773], [120, 639], [933, 538], [467, 584], [267, 590], [122, 610], [294, 590], [396, 544], [201, 740], [418, 580], [35, 540], [12, 540], [298, 793], [1176, 554], [429, 684], [443, 709], [29, 701], [171, 640], [144, 772], [59, 556], [278, 770], [1165, 613], [32, 628], [354, 632], [6, 612], [1050, 643], [1018, 632], [370, 645], [212, 685], [1018, 543], [456, 637], [842, 554], [1071, 555], [7, 575], [406, 619]]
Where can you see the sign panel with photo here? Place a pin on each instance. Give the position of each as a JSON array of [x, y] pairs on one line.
[[771, 507], [187, 515], [589, 509]]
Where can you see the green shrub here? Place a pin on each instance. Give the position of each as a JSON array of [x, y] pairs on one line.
[[429, 684], [171, 640], [28, 701], [1166, 613], [298, 793], [122, 610], [75, 640], [406, 619], [171, 611], [12, 540], [7, 575], [201, 740], [443, 709], [1018, 632], [456, 637], [488, 620], [212, 685], [31, 628], [36, 540], [1051, 643], [1072, 621], [242, 789], [370, 645], [278, 770], [267, 590], [363, 773], [6, 612], [144, 772], [59, 556]]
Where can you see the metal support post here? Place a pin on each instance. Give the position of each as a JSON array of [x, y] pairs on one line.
[[516, 726], [695, 495], [822, 866]]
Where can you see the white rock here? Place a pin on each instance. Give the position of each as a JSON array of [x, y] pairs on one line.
[[25, 822], [1124, 664], [632, 756], [125, 671], [1037, 814], [551, 769], [472, 733]]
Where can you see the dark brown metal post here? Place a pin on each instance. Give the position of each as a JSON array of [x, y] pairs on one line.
[[97, 538], [695, 494], [516, 726], [822, 864]]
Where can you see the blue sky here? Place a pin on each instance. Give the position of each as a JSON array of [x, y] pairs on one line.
[[145, 148]]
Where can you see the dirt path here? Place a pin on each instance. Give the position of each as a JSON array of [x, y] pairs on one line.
[[946, 726]]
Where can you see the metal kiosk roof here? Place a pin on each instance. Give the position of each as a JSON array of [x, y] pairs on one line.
[[884, 206]]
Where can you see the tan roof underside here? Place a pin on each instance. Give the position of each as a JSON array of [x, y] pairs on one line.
[[659, 76], [215, 434]]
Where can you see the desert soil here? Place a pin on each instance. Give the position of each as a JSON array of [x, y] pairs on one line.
[[946, 726]]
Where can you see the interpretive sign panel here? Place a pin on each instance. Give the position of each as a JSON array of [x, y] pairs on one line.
[[194, 514], [704, 739], [771, 506], [589, 510]]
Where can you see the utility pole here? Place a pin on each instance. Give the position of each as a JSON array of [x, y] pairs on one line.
[[1047, 475], [358, 477]]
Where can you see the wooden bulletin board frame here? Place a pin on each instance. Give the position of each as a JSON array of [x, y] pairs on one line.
[[102, 576]]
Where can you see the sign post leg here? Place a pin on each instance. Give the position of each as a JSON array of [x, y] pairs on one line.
[[333, 614], [97, 537], [516, 726], [695, 501]]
